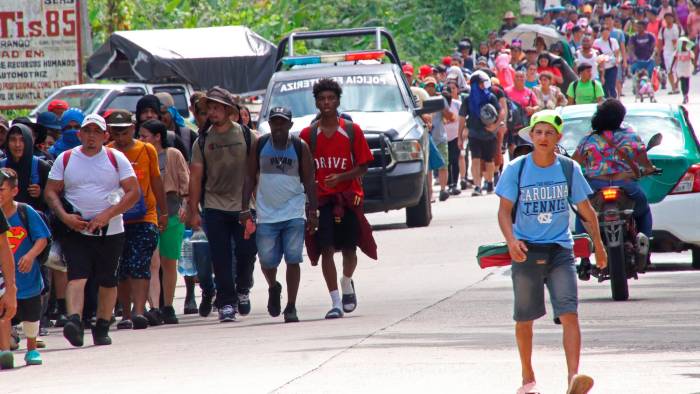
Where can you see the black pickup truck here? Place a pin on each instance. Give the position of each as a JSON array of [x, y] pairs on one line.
[[378, 98]]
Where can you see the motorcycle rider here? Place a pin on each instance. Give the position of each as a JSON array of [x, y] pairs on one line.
[[614, 155]]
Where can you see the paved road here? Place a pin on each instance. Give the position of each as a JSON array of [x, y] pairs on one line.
[[428, 320]]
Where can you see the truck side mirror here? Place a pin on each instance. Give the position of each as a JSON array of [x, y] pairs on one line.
[[431, 105]]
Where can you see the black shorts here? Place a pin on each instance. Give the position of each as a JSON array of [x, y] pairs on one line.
[[28, 310], [341, 235], [482, 149], [93, 257]]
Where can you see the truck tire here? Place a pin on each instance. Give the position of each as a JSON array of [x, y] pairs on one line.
[[421, 214], [696, 257], [618, 276]]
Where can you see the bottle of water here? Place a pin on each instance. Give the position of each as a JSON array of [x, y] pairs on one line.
[[185, 264]]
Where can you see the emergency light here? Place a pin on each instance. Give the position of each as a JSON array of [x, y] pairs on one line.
[[332, 58]]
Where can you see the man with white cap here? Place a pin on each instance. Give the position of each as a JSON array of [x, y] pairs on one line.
[[83, 191]]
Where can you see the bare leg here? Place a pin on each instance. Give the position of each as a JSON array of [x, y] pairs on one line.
[[75, 296], [169, 280], [328, 267], [523, 335], [154, 285], [270, 276], [293, 279], [124, 295], [60, 281], [5, 335], [349, 262], [442, 177], [476, 172], [107, 297], [139, 291], [462, 167], [572, 342], [488, 173]]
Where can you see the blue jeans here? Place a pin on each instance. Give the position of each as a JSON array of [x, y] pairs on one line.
[[609, 87], [643, 64], [281, 239], [225, 235], [642, 212]]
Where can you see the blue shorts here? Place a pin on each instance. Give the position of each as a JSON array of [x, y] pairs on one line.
[[141, 241], [552, 265], [276, 240]]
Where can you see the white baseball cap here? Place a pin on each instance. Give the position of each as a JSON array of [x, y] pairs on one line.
[[96, 120]]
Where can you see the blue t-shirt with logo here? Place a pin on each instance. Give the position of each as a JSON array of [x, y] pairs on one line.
[[543, 207], [29, 284]]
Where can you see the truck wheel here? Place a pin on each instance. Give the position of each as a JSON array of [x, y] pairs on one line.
[[421, 214], [696, 257]]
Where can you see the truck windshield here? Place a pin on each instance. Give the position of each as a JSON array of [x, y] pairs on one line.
[[85, 99], [361, 93]]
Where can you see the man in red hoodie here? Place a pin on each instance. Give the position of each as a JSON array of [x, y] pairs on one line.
[[341, 156]]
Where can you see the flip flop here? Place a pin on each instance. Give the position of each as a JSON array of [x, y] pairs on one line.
[[580, 384], [350, 300], [334, 313], [529, 388]]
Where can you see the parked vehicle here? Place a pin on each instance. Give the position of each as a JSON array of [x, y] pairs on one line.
[[377, 97], [673, 194]]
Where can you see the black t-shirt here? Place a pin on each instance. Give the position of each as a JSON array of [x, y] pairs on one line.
[[476, 127], [4, 226]]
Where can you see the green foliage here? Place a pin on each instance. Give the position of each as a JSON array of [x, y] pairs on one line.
[[424, 30], [14, 113]]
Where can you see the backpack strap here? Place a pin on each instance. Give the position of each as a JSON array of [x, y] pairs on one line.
[[261, 144], [66, 158], [22, 213], [567, 165], [112, 158], [34, 175], [514, 211], [298, 149], [576, 86], [247, 137], [313, 135]]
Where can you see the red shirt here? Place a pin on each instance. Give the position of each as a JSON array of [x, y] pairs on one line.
[[334, 155]]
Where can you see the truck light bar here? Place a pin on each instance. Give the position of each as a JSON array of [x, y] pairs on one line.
[[332, 58]]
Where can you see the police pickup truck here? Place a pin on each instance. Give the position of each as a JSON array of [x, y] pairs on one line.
[[377, 97]]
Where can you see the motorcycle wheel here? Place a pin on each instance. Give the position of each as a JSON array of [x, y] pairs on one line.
[[618, 276]]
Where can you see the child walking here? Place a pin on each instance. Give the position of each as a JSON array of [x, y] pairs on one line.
[[683, 64], [28, 236]]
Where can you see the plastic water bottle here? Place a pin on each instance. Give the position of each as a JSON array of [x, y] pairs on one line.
[[185, 264], [200, 250]]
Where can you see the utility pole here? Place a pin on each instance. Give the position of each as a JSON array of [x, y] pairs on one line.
[[86, 35]]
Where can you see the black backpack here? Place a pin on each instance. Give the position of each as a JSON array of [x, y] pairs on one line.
[[517, 117], [23, 217], [296, 142]]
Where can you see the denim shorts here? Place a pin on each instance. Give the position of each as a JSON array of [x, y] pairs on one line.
[[276, 240], [550, 265]]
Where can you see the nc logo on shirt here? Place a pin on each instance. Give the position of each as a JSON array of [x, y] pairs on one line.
[[544, 218]]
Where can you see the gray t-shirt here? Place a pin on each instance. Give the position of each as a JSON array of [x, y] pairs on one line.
[[439, 133]]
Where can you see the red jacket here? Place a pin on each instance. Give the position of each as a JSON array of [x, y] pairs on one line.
[[341, 202]]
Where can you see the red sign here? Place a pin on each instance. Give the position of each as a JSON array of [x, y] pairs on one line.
[[39, 50]]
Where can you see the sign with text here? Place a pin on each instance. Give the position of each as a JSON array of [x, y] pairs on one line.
[[39, 50]]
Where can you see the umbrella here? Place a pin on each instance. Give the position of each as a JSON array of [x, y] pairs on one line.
[[527, 34]]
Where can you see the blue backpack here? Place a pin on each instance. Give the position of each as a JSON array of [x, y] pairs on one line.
[[34, 177]]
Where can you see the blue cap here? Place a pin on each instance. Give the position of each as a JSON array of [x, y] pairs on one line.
[[48, 120], [72, 114]]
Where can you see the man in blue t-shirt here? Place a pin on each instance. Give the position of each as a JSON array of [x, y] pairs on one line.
[[540, 242], [28, 236]]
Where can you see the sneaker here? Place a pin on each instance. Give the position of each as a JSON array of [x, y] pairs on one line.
[[273, 301], [33, 358], [463, 184], [489, 187], [140, 322], [290, 314], [476, 192], [454, 191], [350, 300], [244, 303], [7, 360], [125, 324], [154, 316], [73, 331], [169, 316], [685, 99], [100, 333], [205, 305], [61, 321], [190, 306], [444, 195], [227, 314]]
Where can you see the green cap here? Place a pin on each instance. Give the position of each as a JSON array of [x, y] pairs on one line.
[[548, 116]]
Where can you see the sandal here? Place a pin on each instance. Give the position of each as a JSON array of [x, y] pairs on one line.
[[350, 300], [334, 313], [580, 384], [529, 388], [125, 324]]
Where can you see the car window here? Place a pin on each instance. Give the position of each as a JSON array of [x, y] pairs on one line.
[[377, 92], [645, 125], [125, 101], [179, 97], [85, 99]]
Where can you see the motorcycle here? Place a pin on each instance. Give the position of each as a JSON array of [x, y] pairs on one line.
[[628, 249]]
